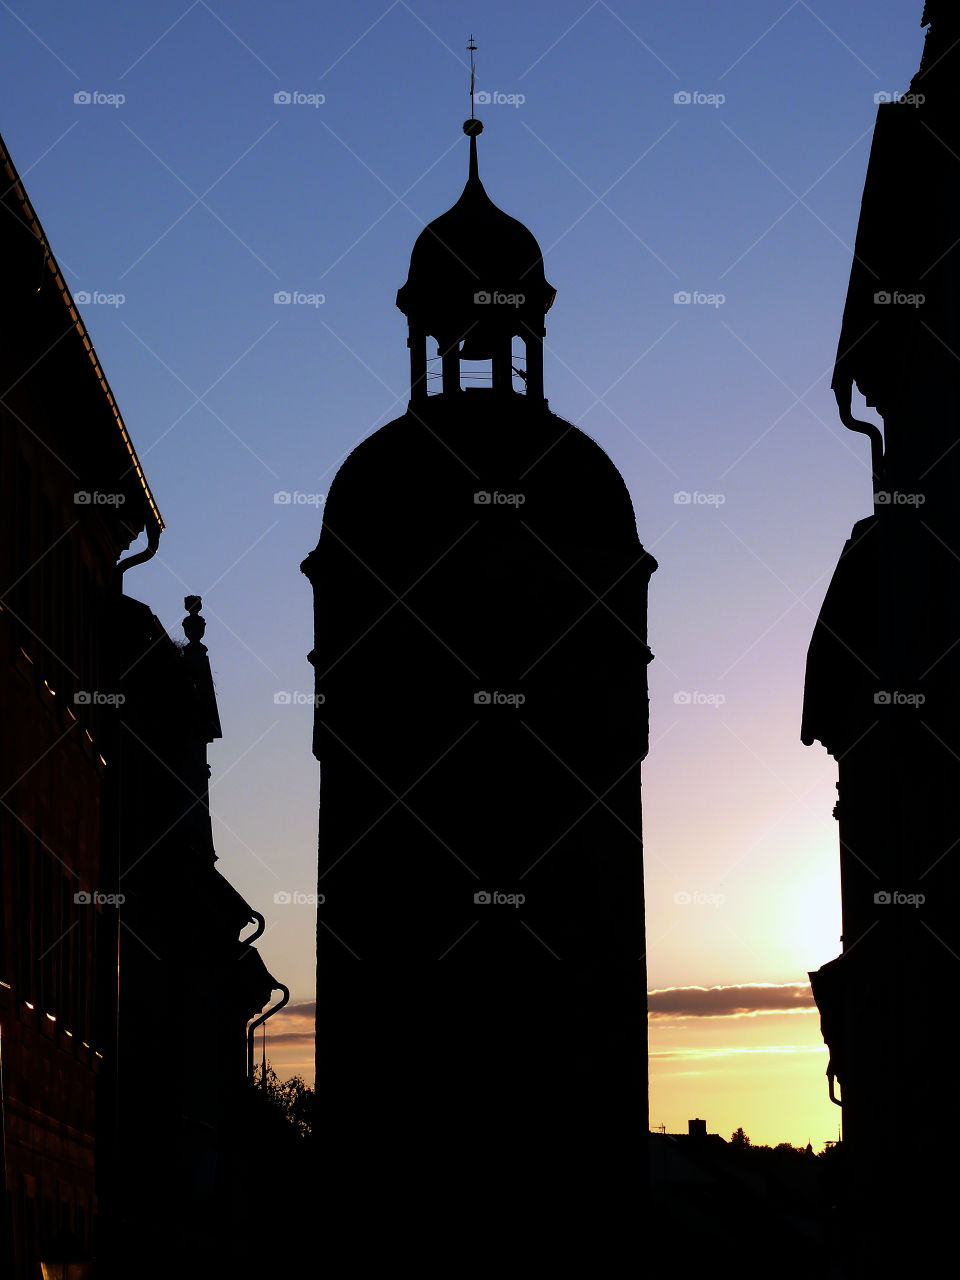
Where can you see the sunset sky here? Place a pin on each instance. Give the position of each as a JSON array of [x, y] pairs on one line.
[[655, 149]]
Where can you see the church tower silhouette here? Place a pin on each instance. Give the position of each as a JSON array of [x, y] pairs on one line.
[[481, 718]]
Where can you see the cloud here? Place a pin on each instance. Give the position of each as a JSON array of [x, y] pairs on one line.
[[293, 1024], [738, 1000], [729, 1051], [300, 1008]]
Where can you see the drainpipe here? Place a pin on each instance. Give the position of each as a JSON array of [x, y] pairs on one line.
[[843, 390], [261, 925], [153, 542], [259, 1022]]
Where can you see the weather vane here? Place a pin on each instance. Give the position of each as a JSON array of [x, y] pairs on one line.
[[473, 126], [472, 49]]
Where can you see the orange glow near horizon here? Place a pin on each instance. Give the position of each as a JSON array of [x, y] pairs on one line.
[[764, 1072]]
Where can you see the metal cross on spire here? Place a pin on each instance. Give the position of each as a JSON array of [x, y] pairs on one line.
[[472, 49]]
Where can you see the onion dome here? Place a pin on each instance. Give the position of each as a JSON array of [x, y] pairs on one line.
[[474, 268]]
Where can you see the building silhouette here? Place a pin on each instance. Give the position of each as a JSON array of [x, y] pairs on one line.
[[190, 978], [120, 942], [480, 660], [883, 686], [707, 1193]]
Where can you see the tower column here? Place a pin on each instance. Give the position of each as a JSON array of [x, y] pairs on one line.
[[534, 348], [502, 362], [450, 352], [417, 342]]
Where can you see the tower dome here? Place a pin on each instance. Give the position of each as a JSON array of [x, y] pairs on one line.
[[476, 280], [474, 248]]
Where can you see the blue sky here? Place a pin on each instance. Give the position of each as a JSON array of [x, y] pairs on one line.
[[198, 197]]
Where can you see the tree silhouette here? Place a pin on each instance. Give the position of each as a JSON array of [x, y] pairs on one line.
[[293, 1098]]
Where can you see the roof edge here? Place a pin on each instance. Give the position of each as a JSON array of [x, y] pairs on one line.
[[33, 222]]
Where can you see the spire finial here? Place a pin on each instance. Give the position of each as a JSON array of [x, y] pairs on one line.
[[473, 126], [472, 49]]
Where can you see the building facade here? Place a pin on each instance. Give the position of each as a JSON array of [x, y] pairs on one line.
[[883, 685], [120, 942]]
